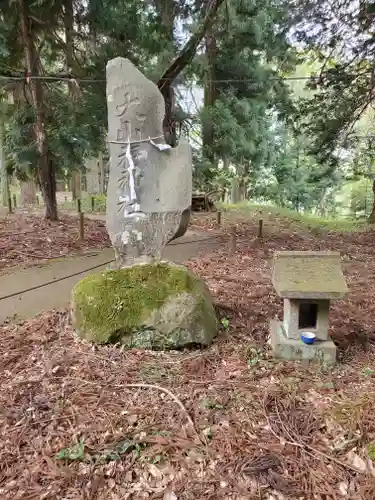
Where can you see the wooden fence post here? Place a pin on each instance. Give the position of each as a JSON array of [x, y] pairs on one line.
[[81, 220], [81, 226], [260, 228], [9, 204], [92, 203], [14, 201], [218, 217], [233, 240]]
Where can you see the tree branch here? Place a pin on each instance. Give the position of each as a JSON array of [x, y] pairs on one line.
[[188, 52]]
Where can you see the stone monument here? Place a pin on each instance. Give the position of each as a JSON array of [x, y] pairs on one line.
[[307, 281], [143, 302], [150, 183]]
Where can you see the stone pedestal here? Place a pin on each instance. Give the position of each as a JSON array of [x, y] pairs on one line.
[[323, 351]]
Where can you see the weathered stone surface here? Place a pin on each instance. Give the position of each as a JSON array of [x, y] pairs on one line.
[[291, 319], [150, 185], [308, 275], [152, 306], [322, 351], [184, 223]]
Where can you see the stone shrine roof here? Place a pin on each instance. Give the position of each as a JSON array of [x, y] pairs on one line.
[[308, 275]]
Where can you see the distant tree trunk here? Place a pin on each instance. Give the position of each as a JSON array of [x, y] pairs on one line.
[[28, 193], [3, 171], [72, 86], [235, 191], [226, 163], [243, 181], [371, 219], [322, 203], [167, 12], [46, 174], [242, 190], [69, 54], [4, 188], [76, 185], [92, 17], [209, 95], [187, 54], [101, 167]]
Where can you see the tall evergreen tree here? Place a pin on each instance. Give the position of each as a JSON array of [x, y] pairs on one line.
[[341, 36], [244, 54], [59, 123]]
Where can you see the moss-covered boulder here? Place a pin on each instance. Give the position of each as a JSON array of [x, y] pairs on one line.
[[151, 306]]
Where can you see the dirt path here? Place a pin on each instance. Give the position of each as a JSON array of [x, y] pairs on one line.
[[57, 293]]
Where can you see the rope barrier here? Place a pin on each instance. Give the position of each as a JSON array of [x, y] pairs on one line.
[[36, 287], [102, 80]]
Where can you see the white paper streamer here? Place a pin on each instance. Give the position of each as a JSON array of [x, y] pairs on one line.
[[133, 195], [160, 147]]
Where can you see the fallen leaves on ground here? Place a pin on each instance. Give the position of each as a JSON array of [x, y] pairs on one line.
[[73, 429], [26, 239]]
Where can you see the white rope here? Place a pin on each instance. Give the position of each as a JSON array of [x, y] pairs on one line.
[[136, 142]]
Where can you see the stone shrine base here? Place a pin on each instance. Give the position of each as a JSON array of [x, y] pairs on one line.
[[323, 351]]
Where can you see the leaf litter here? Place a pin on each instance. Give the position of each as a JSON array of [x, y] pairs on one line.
[[30, 239], [78, 422]]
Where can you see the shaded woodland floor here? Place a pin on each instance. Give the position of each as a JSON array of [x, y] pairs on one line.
[[236, 424], [28, 239]]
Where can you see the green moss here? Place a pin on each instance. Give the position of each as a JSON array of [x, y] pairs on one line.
[[116, 306], [100, 202], [320, 274], [371, 451]]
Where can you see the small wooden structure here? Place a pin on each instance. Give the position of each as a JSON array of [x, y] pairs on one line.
[[307, 281], [202, 202]]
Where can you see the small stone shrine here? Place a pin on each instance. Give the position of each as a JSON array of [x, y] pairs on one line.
[[307, 281]]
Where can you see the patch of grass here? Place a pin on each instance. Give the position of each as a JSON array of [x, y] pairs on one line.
[[121, 448], [306, 221], [210, 404], [77, 452], [291, 383], [158, 459], [156, 371], [371, 451], [100, 203], [367, 372], [254, 355], [239, 399], [225, 323], [74, 453], [350, 414]]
